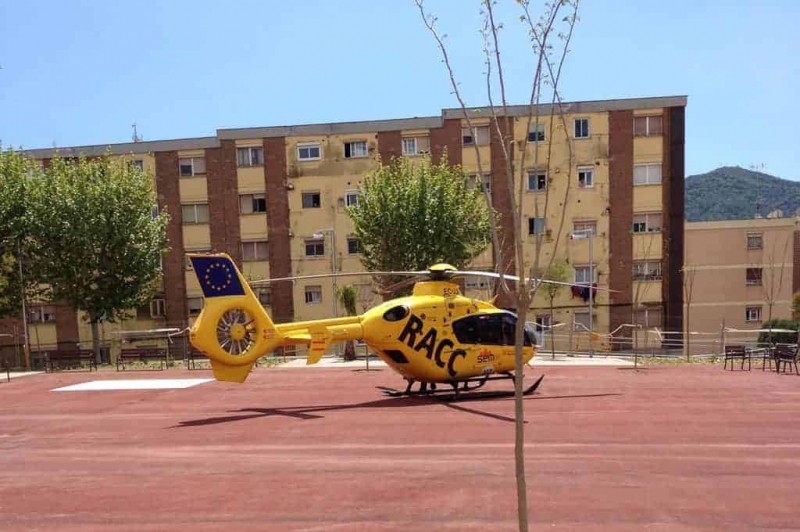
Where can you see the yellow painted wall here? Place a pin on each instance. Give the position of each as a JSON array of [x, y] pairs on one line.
[[647, 198], [648, 149], [197, 236], [42, 336], [193, 189], [253, 226], [251, 179]]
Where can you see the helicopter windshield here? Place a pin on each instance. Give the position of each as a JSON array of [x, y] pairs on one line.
[[488, 329]]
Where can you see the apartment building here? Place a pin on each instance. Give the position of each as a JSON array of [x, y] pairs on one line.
[[274, 198], [737, 269]]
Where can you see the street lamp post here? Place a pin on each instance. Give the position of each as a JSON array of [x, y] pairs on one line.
[[588, 234], [321, 234], [27, 347]]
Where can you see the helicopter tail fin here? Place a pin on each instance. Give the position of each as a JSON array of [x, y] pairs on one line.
[[233, 329]]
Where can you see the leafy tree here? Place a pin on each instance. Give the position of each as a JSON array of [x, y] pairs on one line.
[[16, 173], [766, 338], [347, 297], [413, 214], [98, 241], [796, 306]]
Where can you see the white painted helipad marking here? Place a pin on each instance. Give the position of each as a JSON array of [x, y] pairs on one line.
[[138, 384]]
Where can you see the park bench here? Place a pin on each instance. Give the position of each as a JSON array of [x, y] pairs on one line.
[[737, 352], [786, 355], [70, 357], [142, 354]]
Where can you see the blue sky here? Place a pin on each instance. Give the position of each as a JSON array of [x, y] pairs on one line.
[[81, 72]]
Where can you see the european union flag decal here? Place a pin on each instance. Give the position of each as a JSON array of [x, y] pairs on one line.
[[217, 276]]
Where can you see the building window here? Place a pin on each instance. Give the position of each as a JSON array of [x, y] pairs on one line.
[[581, 320], [581, 128], [585, 177], [585, 227], [755, 241], [647, 222], [582, 274], [308, 151], [195, 305], [256, 250], [537, 181], [250, 203], [157, 308], [250, 156], [355, 149], [536, 133], [535, 226], [311, 200], [264, 296], [648, 318], [753, 276], [478, 135], [315, 248], [647, 270], [416, 146], [647, 174], [138, 163], [486, 182], [42, 314], [313, 295], [353, 246], [351, 198], [752, 314], [191, 166], [647, 126], [196, 213]]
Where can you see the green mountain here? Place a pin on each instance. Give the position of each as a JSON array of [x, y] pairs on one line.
[[732, 193]]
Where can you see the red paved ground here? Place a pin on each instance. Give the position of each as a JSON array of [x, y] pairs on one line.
[[669, 448]]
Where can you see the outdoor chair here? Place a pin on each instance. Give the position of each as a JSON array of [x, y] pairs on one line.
[[737, 352], [767, 355], [786, 355]]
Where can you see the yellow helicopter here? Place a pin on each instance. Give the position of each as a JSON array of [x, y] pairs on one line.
[[434, 336]]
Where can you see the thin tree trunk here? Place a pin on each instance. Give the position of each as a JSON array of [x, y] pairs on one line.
[[96, 339], [552, 333]]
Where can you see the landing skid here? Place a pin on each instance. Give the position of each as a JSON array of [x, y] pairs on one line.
[[459, 389]]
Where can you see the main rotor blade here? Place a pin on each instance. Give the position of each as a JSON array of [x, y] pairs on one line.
[[402, 284], [495, 275], [323, 275]]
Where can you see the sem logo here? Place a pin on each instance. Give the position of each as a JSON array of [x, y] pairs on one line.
[[485, 357]]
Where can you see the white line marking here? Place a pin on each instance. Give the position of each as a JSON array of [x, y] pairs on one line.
[[139, 384]]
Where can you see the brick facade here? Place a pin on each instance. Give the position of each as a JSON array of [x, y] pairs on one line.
[[502, 201], [620, 192], [223, 199], [672, 186], [389, 145], [169, 199], [67, 335], [280, 244], [447, 137]]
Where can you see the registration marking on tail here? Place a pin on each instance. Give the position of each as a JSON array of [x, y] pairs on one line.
[[138, 384]]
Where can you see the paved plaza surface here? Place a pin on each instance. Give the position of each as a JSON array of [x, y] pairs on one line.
[[668, 448]]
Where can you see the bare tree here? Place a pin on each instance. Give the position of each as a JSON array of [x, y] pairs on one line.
[[773, 283], [688, 274], [641, 287], [556, 24]]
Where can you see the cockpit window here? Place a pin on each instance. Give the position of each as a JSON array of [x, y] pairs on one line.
[[396, 313], [487, 329]]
